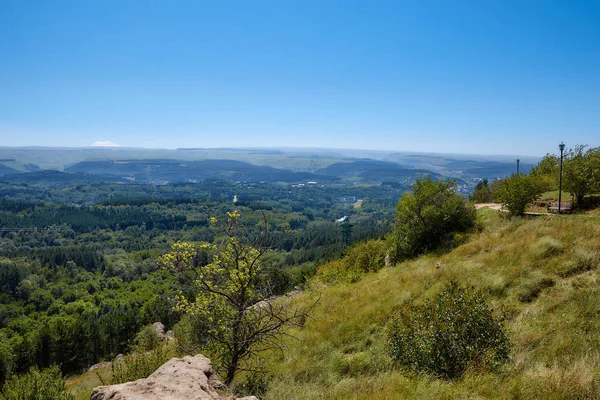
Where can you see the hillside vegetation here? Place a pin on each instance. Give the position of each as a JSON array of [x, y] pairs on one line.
[[542, 274]]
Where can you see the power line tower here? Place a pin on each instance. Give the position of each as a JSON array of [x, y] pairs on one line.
[[346, 228]]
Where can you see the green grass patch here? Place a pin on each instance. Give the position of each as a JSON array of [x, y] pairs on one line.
[[526, 270]]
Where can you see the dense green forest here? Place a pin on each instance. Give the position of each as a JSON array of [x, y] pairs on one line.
[[78, 271]]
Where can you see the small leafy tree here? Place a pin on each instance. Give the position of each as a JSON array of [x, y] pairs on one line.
[[428, 217], [232, 318], [546, 172], [482, 192], [517, 191], [582, 172], [147, 339], [446, 336]]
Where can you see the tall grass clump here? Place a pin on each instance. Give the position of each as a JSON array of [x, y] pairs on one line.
[[447, 336], [580, 261], [139, 365], [46, 384], [548, 246]]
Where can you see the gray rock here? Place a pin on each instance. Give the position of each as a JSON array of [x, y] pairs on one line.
[[189, 378], [99, 365], [160, 329]]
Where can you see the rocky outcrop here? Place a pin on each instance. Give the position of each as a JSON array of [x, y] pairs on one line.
[[189, 378], [160, 330], [99, 365]]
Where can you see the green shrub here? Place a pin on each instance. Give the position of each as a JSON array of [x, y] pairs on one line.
[[367, 256], [517, 191], [139, 365], [147, 339], [428, 218], [482, 193], [446, 336], [361, 258], [191, 333], [47, 384]]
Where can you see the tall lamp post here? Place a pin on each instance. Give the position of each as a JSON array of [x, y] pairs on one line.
[[561, 146]]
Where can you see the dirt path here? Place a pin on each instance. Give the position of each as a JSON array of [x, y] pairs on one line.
[[493, 206]]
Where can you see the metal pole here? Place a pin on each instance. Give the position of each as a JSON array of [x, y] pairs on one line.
[[518, 166], [562, 147]]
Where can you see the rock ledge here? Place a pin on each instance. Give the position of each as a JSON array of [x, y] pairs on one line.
[[190, 378]]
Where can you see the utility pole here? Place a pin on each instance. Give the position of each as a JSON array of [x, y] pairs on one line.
[[561, 146], [346, 228]]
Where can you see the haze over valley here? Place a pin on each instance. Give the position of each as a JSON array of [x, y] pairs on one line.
[[325, 166]]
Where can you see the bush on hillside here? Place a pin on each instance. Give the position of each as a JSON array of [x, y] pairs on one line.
[[47, 384], [546, 172], [517, 191], [445, 337], [428, 218], [581, 172], [139, 365], [361, 258], [147, 338]]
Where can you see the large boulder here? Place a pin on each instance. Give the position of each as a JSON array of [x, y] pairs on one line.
[[190, 378]]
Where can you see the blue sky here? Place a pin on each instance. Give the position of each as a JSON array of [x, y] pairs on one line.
[[484, 76]]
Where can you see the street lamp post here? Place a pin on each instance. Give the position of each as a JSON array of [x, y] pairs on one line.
[[561, 146], [518, 161]]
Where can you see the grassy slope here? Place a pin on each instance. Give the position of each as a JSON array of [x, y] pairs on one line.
[[81, 386], [543, 273]]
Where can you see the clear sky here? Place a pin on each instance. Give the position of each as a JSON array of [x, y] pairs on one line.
[[481, 76]]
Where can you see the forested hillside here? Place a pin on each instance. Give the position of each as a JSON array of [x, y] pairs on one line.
[[78, 262]]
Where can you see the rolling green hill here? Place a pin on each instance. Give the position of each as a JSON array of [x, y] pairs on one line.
[[375, 170], [463, 166]]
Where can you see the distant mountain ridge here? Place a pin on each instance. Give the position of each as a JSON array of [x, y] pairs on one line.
[[272, 164], [168, 170], [368, 169], [156, 170]]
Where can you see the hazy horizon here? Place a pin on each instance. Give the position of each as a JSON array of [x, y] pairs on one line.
[[307, 149]]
